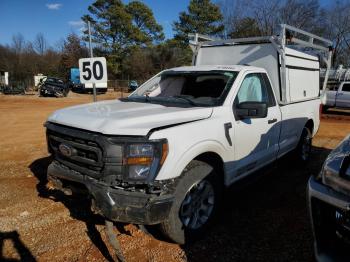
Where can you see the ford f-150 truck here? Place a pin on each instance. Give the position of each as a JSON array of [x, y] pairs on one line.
[[164, 154]]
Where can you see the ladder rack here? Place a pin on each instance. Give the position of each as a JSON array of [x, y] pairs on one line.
[[338, 75], [289, 37]]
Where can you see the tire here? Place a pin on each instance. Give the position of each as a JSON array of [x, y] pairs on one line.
[[303, 149], [199, 187], [324, 109]]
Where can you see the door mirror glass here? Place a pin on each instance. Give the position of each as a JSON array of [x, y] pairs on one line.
[[246, 110]]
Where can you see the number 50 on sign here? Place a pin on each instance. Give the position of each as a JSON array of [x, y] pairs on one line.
[[93, 70]]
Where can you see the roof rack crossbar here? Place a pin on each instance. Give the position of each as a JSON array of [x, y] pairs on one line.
[[258, 39], [309, 35]]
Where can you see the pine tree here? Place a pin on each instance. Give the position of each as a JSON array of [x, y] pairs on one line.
[[117, 28], [202, 16]]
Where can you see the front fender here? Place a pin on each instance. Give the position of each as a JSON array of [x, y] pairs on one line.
[[175, 164]]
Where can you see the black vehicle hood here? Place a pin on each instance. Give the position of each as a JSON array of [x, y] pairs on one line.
[[336, 169]]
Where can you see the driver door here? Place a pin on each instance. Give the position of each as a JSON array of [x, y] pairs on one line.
[[255, 139]]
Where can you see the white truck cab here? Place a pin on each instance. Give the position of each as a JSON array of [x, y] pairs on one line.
[[163, 154]]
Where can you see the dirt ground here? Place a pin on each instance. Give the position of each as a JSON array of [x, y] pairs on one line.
[[265, 218]]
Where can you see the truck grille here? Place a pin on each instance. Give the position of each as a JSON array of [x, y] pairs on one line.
[[76, 149]]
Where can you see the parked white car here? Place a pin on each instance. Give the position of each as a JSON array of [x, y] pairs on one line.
[[164, 154], [337, 95]]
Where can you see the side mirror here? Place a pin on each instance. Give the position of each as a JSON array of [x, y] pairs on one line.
[[251, 110]]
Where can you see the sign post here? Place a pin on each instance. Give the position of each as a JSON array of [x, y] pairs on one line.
[[91, 56], [93, 70]]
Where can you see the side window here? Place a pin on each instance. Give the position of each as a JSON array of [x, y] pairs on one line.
[[346, 88], [255, 88], [332, 86], [272, 101]]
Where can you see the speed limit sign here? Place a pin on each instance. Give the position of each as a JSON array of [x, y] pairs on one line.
[[93, 70]]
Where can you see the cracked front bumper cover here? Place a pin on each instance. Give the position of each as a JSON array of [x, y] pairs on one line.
[[324, 202], [118, 204]]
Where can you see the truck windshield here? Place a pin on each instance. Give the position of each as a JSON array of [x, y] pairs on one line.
[[186, 88]]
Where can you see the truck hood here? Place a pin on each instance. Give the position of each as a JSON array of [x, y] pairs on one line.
[[336, 168], [115, 117]]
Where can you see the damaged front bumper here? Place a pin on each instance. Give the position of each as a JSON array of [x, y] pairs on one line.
[[115, 203], [330, 217]]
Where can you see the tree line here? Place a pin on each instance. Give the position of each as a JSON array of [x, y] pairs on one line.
[[133, 42]]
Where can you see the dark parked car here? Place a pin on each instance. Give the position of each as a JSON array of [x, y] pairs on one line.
[[54, 87], [329, 204], [13, 90], [133, 85]]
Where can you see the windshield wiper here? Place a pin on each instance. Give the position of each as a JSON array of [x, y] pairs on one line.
[[148, 99], [189, 100], [137, 98]]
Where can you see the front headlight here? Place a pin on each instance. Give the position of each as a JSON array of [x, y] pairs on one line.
[[144, 160], [325, 173]]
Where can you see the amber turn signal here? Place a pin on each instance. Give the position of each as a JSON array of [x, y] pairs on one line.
[[139, 161], [165, 150]]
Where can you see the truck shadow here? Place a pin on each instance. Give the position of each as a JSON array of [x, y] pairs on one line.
[[264, 219], [22, 251], [265, 216], [78, 207], [336, 113]]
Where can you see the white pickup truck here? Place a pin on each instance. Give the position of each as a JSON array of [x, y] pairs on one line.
[[337, 95], [164, 154]]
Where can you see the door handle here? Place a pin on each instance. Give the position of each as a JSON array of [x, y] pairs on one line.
[[271, 121]]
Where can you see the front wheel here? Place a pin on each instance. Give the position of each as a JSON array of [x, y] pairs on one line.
[[324, 109], [197, 198]]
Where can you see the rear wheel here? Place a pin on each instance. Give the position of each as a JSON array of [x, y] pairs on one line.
[[305, 144], [197, 198], [324, 109]]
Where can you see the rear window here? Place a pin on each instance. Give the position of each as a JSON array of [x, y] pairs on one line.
[[54, 80], [332, 86]]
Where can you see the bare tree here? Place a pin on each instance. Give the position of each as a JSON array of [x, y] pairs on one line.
[[18, 43], [40, 44], [233, 12], [260, 14], [300, 13], [266, 15], [262, 17], [338, 29]]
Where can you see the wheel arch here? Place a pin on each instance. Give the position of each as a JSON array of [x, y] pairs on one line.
[[213, 159], [211, 152], [310, 125]]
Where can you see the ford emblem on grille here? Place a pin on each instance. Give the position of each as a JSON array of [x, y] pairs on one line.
[[65, 150]]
